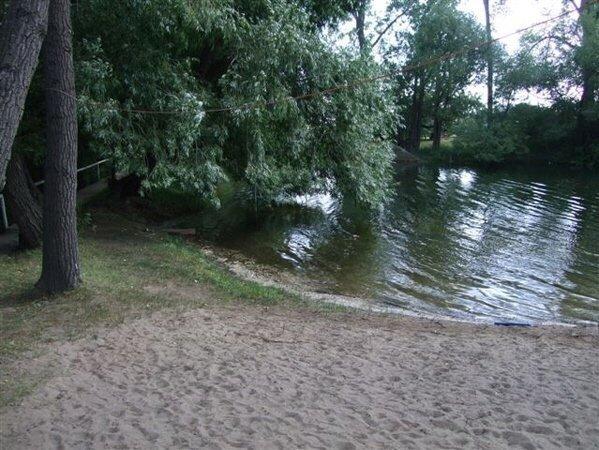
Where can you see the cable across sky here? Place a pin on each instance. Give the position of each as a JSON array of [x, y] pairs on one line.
[[355, 83]]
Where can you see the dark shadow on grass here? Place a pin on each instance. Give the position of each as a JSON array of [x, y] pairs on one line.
[[24, 298]]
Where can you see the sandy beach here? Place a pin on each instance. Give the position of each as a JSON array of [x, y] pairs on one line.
[[256, 377]]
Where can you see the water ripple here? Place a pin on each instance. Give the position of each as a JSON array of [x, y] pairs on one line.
[[470, 244]]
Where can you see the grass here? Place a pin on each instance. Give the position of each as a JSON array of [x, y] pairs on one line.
[[120, 260], [129, 271], [18, 387]]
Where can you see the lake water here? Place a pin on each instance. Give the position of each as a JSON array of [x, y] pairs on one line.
[[511, 245]]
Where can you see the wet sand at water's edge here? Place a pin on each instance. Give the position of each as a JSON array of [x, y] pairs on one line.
[[250, 377]]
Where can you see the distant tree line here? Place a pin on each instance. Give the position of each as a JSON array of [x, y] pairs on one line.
[[560, 63]]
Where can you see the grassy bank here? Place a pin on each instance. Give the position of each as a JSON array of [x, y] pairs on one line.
[[129, 271]]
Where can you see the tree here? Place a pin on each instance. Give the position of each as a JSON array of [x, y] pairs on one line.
[[278, 145], [330, 13], [588, 59], [489, 63], [60, 260], [562, 62], [333, 11], [21, 35], [491, 55], [23, 200], [359, 9], [437, 28], [398, 9]]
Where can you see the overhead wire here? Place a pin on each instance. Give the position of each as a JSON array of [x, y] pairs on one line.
[[351, 85]]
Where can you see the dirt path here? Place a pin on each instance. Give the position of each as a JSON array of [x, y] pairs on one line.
[[255, 378]]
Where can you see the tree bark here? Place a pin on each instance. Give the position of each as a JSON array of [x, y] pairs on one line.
[[60, 260], [360, 18], [490, 69], [587, 130], [23, 200], [437, 129], [415, 123], [21, 35]]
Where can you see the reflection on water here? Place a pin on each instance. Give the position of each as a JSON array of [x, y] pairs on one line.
[[503, 245]]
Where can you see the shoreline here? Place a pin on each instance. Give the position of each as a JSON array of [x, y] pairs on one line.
[[249, 270]]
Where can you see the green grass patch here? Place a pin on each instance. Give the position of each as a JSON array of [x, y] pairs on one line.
[[125, 268], [12, 391]]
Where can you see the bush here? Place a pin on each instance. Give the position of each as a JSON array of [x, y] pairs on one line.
[[476, 142], [547, 133], [522, 134]]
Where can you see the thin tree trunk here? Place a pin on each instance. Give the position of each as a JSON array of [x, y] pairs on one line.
[[23, 200], [402, 135], [60, 263], [587, 131], [21, 35], [360, 18], [587, 85], [490, 70], [415, 127], [436, 131]]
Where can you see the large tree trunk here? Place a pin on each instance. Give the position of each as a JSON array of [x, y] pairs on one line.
[[60, 263], [23, 200], [21, 35], [490, 70]]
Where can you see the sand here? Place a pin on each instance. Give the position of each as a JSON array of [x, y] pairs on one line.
[[250, 377]]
